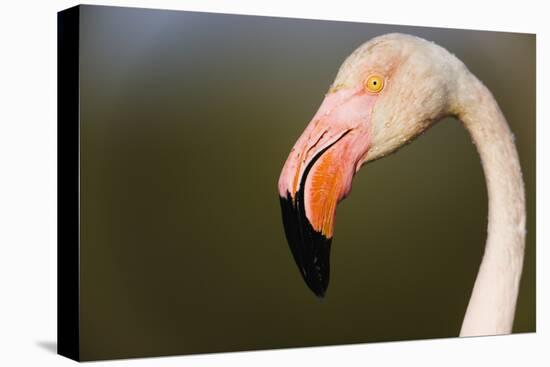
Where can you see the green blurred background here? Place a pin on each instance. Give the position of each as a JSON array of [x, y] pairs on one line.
[[186, 121]]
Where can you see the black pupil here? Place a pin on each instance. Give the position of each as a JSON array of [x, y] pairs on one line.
[[374, 82]]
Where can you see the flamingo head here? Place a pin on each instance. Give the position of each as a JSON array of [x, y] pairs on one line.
[[388, 91]]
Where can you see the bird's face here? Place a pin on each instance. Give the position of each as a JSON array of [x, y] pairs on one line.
[[382, 97]]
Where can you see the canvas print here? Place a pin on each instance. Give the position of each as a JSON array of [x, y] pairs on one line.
[[206, 167]]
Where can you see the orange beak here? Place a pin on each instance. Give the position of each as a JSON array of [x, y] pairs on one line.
[[318, 174]]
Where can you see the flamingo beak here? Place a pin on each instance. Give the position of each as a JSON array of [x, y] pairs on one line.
[[316, 176]]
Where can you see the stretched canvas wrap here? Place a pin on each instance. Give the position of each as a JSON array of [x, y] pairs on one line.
[[206, 166]]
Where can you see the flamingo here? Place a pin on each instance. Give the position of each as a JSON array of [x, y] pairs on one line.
[[387, 92]]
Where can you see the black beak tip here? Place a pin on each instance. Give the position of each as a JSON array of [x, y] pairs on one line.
[[319, 291], [310, 248]]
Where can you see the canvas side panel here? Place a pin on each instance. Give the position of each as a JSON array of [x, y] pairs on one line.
[[68, 215]]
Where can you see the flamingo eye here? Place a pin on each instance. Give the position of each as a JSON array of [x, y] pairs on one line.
[[374, 83]]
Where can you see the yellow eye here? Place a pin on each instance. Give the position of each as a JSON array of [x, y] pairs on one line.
[[374, 83]]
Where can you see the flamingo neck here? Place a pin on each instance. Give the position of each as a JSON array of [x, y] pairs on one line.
[[492, 304]]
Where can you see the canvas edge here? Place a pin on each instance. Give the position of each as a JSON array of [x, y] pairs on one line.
[[68, 184]]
